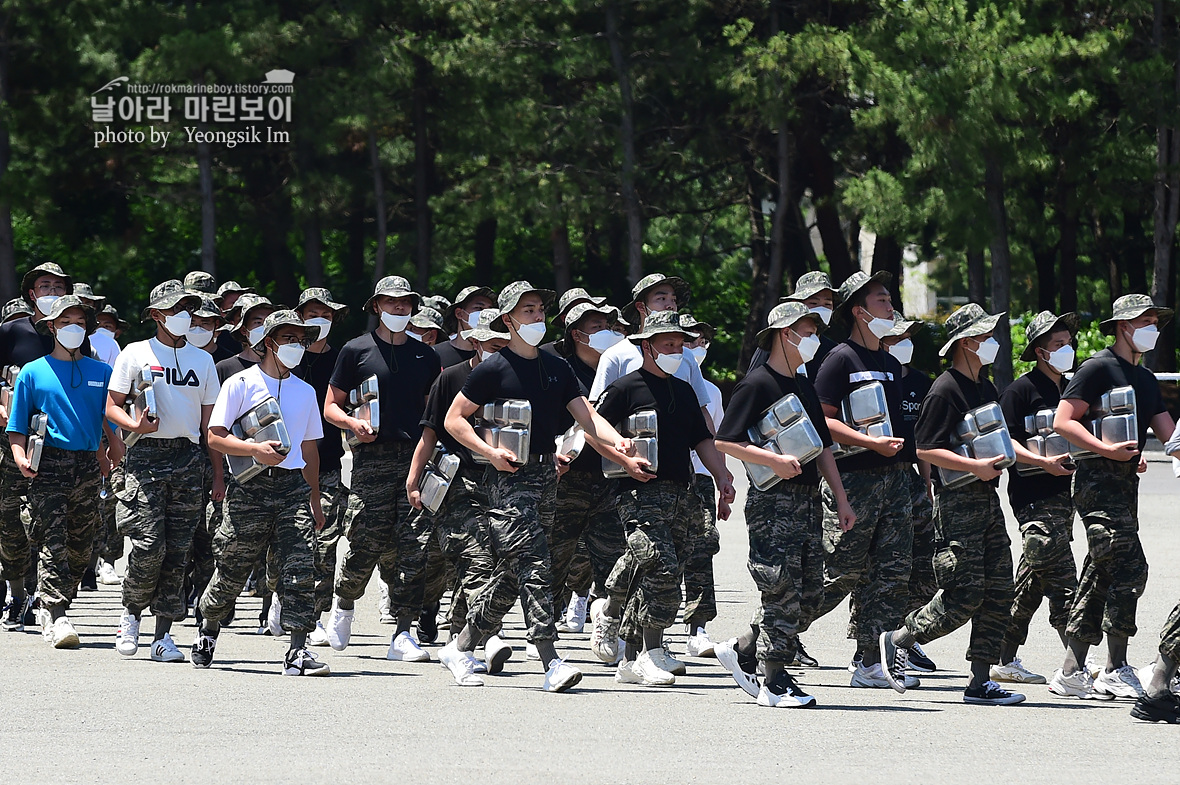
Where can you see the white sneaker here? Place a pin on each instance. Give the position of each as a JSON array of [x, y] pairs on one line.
[[664, 659], [107, 575], [384, 615], [574, 618], [604, 639], [699, 644], [339, 627], [783, 692], [873, 676], [461, 664], [1015, 672], [727, 656], [274, 619], [1145, 674], [164, 650], [625, 674], [1120, 683], [403, 648], [62, 634], [531, 653], [650, 672], [561, 676], [1095, 663], [318, 636], [127, 636], [1078, 684], [496, 652]]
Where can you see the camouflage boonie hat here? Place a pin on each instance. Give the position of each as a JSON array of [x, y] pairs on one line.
[[248, 302], [649, 282], [110, 310], [853, 284], [1131, 306], [208, 310], [14, 308], [576, 313], [282, 318], [662, 323], [437, 302], [392, 286], [1044, 323], [903, 326], [168, 295], [810, 284], [704, 329], [321, 295], [232, 286], [466, 293], [786, 315], [60, 306], [967, 322], [510, 297], [484, 330], [427, 319], [45, 268], [202, 282], [572, 297], [84, 291]]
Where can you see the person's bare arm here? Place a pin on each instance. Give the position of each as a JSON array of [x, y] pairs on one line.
[[17, 443], [985, 469], [265, 453], [311, 474], [418, 466], [714, 461], [457, 425], [827, 468], [334, 403], [843, 433], [1068, 422], [784, 466]]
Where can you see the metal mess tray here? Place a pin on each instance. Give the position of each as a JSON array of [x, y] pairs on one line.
[[642, 428]]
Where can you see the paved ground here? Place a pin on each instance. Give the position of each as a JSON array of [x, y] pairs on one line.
[[92, 714]]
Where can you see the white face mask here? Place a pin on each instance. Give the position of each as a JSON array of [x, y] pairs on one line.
[[106, 332], [669, 363], [532, 334], [1144, 338], [178, 323], [698, 353], [1062, 359], [879, 327], [71, 336], [807, 347], [199, 337], [485, 355], [473, 319], [823, 313], [45, 303], [325, 326], [603, 340], [395, 324], [415, 336], [903, 350], [254, 336], [289, 355], [987, 351]]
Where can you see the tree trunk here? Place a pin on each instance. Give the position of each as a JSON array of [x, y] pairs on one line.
[[354, 257], [822, 180], [8, 281], [559, 235], [631, 205], [274, 213], [976, 277], [485, 252], [615, 263], [759, 305], [313, 248], [1046, 262], [774, 275], [423, 174], [1068, 248], [379, 199], [887, 258], [1167, 173], [1001, 267], [208, 209]]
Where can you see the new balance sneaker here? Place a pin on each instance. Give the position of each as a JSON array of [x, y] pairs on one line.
[[274, 617], [782, 692], [1016, 673], [744, 671], [664, 659], [318, 636], [574, 618], [604, 639], [917, 660], [802, 658], [625, 674], [561, 676], [428, 624], [874, 676], [301, 662], [202, 652], [991, 694], [89, 581], [650, 672], [164, 650], [1119, 683], [699, 645], [403, 648], [1149, 709], [61, 633], [14, 616], [1079, 684], [107, 575], [894, 662], [339, 627], [461, 664], [496, 652]]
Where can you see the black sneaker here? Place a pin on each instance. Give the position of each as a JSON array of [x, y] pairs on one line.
[[1165, 709], [202, 654], [743, 668], [428, 624], [894, 661], [301, 662], [782, 692], [918, 660], [802, 658], [991, 694], [14, 616]]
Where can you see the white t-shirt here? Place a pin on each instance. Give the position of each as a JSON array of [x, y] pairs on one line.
[[297, 401], [105, 347], [183, 383], [625, 357], [713, 408]]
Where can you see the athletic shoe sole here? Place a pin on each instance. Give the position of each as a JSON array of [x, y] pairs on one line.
[[883, 644], [495, 663], [727, 656]]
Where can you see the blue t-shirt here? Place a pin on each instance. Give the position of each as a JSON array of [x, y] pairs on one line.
[[74, 396]]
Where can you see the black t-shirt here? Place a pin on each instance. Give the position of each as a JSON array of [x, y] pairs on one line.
[[849, 366], [227, 345], [316, 370], [826, 345], [589, 460], [404, 375], [681, 425], [1105, 371], [222, 353], [449, 354], [547, 382], [950, 397], [442, 394], [1027, 395], [757, 392], [914, 386], [233, 365], [20, 343]]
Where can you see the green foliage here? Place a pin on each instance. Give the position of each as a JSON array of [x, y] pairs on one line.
[[1089, 340]]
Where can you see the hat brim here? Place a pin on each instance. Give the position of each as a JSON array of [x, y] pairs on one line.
[[812, 291], [646, 334], [842, 307], [26, 281], [310, 332], [609, 311], [450, 322], [398, 294], [679, 286], [1164, 314], [481, 334], [1068, 321], [982, 327], [171, 301], [548, 296], [241, 322], [42, 324], [905, 327], [765, 335]]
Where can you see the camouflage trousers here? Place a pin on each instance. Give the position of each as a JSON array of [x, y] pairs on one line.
[[408, 589], [580, 578], [333, 499], [587, 512], [14, 517], [786, 561], [160, 506], [657, 521], [875, 554], [108, 542], [264, 508], [1170, 636], [1046, 567], [973, 565], [64, 500], [202, 560], [520, 510], [700, 592], [381, 526], [464, 546], [1114, 572]]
